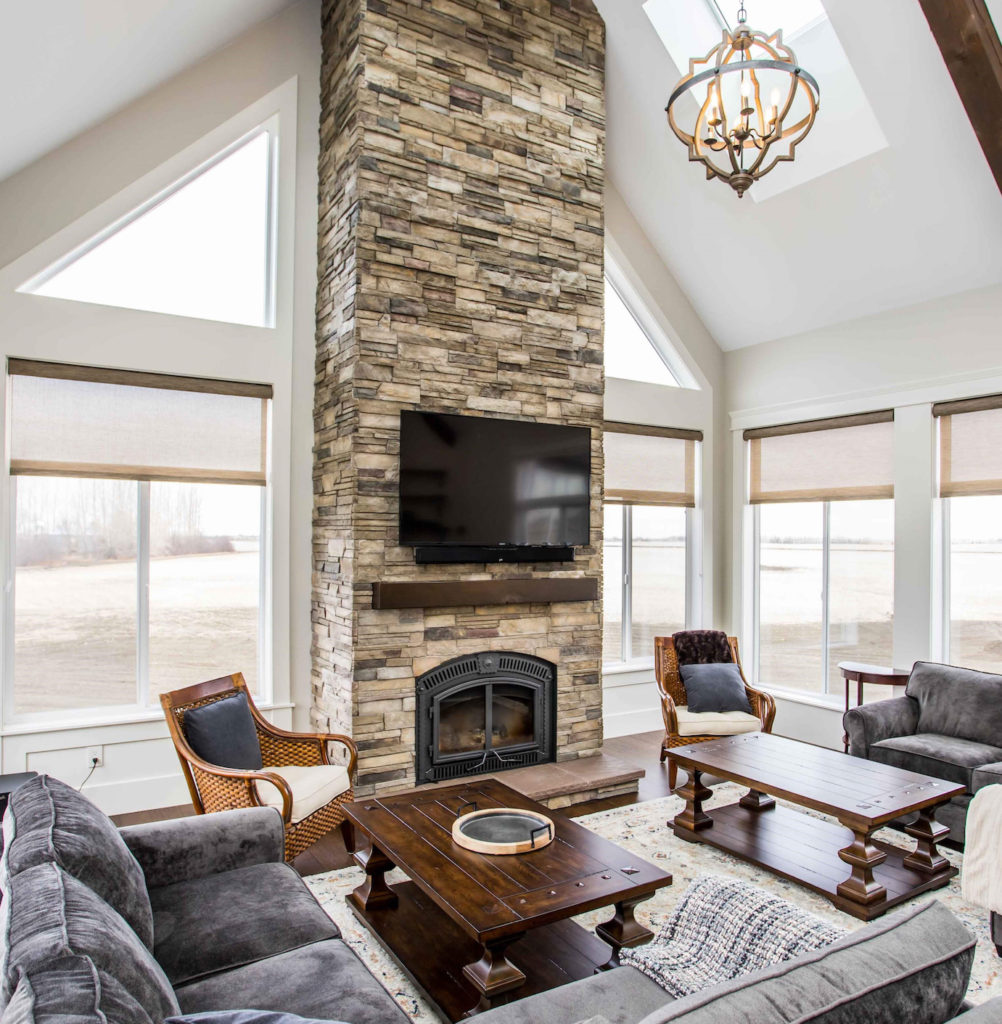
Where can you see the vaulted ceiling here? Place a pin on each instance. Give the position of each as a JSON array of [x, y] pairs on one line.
[[918, 219]]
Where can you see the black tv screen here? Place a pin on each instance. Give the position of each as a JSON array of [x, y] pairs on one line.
[[468, 480]]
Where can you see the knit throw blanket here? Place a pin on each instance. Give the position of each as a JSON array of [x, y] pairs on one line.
[[722, 929], [981, 874]]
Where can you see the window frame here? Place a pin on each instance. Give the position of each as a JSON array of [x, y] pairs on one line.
[[142, 707]]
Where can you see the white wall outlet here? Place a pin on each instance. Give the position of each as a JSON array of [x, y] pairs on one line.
[[95, 757]]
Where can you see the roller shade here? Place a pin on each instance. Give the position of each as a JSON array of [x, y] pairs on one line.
[[843, 459], [650, 465], [86, 422], [970, 446]]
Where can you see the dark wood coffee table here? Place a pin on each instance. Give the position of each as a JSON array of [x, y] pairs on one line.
[[862, 795], [472, 930]]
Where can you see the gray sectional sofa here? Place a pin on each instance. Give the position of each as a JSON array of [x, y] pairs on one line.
[[948, 725], [133, 926]]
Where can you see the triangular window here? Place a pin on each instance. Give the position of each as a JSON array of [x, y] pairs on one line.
[[202, 248], [630, 353]]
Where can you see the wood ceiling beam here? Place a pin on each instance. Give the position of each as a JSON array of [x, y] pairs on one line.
[[970, 45]]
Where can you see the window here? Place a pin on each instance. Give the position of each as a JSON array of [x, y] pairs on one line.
[[201, 249], [139, 509], [823, 549], [650, 486], [630, 352], [971, 483]]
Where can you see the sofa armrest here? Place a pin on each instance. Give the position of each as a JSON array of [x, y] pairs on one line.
[[872, 723], [986, 775], [206, 844]]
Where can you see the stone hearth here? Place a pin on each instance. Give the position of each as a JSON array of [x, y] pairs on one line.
[[460, 270]]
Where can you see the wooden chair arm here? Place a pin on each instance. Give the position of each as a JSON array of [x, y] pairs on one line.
[[669, 714], [766, 706], [321, 739], [250, 776]]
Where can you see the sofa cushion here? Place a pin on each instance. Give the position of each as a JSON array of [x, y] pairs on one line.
[[715, 723], [943, 757], [245, 1017], [223, 733], [324, 979], [49, 915], [222, 921], [313, 786], [49, 822], [911, 966], [717, 687], [957, 702], [701, 647], [72, 990]]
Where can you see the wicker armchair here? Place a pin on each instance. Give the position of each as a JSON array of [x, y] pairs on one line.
[[673, 695], [214, 788]]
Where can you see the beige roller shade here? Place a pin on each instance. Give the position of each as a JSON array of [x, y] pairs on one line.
[[78, 421], [650, 465], [970, 446], [843, 459]]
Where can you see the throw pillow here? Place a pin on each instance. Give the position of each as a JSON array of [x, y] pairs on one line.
[[715, 688], [244, 1017], [721, 929], [48, 822], [223, 733]]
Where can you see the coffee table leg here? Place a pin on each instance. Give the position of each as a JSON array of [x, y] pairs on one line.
[[927, 831], [374, 893], [691, 819], [861, 888], [623, 930], [755, 800], [493, 975]]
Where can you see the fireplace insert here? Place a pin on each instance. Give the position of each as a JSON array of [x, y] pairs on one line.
[[484, 713]]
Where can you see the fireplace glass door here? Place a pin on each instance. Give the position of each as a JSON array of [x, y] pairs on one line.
[[462, 722], [486, 716], [512, 716]]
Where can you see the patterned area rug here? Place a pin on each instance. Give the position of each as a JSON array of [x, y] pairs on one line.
[[641, 828]]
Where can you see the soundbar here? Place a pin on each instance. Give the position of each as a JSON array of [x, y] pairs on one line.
[[441, 554]]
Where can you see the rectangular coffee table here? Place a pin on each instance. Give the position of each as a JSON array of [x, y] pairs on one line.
[[860, 875], [474, 930]]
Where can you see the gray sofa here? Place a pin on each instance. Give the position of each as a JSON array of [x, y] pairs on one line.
[[130, 927], [912, 966], [948, 724]]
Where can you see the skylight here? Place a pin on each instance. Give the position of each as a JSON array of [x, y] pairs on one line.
[[200, 250], [847, 128], [629, 353]]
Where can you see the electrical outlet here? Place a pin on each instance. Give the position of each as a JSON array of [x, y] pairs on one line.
[[95, 757]]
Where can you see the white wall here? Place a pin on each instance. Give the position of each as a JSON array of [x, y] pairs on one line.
[[905, 359], [630, 698], [62, 199]]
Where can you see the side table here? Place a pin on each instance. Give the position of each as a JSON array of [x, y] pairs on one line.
[[855, 671]]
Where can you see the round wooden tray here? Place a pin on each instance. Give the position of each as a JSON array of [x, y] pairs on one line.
[[502, 830]]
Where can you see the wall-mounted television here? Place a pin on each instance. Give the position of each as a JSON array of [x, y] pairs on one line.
[[516, 491]]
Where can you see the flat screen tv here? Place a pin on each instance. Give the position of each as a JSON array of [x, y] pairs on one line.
[[470, 481]]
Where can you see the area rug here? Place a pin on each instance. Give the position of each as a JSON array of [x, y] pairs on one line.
[[642, 829]]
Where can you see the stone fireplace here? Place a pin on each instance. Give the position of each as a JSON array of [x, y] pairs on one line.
[[485, 712], [460, 271]]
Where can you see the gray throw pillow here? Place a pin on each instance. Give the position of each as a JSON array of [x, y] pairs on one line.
[[48, 822], [715, 688], [223, 733]]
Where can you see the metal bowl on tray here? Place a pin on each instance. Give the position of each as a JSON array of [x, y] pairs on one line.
[[501, 830]]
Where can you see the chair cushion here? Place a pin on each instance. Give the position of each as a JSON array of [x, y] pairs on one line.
[[314, 981], [50, 916], [943, 757], [72, 990], [50, 822], [223, 733], [701, 647], [957, 701], [715, 723], [226, 920], [312, 787], [717, 687]]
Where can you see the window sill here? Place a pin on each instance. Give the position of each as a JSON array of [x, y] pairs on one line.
[[628, 674], [129, 716], [828, 702]]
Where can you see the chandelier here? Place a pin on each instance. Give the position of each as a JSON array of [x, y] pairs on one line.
[[736, 136]]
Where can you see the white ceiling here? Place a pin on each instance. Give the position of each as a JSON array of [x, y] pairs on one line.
[[68, 64], [919, 219]]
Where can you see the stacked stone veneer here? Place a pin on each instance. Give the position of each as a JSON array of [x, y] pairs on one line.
[[460, 270]]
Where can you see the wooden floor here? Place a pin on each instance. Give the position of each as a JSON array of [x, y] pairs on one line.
[[329, 853]]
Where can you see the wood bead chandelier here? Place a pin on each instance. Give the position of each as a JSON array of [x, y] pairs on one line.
[[736, 136]]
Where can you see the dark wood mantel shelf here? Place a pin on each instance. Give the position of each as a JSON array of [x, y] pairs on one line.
[[457, 593]]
